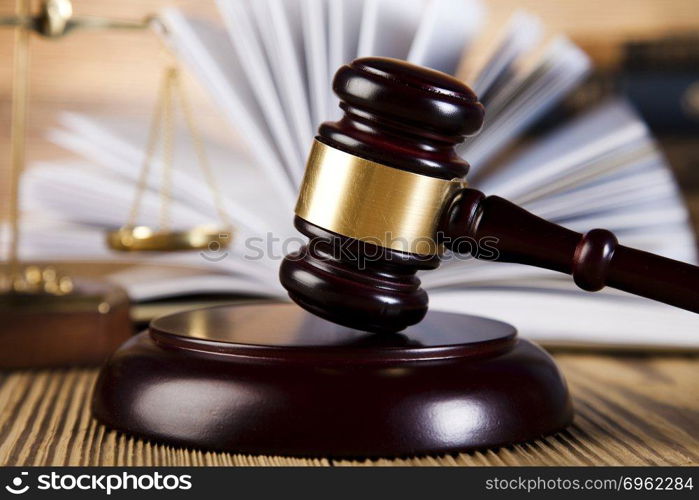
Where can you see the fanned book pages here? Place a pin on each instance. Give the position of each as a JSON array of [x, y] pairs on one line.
[[268, 66]]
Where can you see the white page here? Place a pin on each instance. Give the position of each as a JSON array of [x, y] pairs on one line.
[[447, 29], [629, 190], [607, 138], [610, 130], [344, 19], [237, 183], [142, 286], [105, 202], [519, 35], [344, 22], [609, 125], [546, 317], [523, 100], [102, 204], [245, 40], [597, 170], [55, 240], [316, 44], [208, 53], [520, 102], [279, 25], [52, 239], [187, 191], [48, 244], [388, 27]]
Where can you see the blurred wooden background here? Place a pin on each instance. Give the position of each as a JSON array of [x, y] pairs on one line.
[[120, 70]]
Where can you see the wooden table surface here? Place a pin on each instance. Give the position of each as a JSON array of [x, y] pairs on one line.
[[630, 410]]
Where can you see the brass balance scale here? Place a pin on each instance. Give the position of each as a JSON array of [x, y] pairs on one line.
[[51, 319]]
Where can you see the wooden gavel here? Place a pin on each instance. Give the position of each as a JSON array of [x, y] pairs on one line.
[[383, 193]]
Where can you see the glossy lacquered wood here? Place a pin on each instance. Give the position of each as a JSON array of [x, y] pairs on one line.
[[406, 117], [273, 379], [594, 259]]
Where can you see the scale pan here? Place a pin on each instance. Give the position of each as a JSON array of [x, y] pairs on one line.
[[146, 239]]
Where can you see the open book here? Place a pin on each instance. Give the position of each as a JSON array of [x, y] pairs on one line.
[[268, 67]]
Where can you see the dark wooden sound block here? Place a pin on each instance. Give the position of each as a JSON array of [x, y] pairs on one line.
[[274, 379]]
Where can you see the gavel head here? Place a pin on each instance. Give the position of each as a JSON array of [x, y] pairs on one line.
[[376, 186]]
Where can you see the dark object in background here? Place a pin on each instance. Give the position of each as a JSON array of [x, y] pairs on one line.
[[79, 329], [661, 79]]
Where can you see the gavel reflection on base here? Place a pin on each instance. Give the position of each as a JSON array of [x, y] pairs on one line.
[[384, 194]]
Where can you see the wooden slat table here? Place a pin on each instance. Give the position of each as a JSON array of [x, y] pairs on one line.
[[630, 410]]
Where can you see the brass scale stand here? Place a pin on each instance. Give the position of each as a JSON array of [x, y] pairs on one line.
[[81, 321]]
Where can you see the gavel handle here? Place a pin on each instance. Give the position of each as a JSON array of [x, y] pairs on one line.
[[490, 227]]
